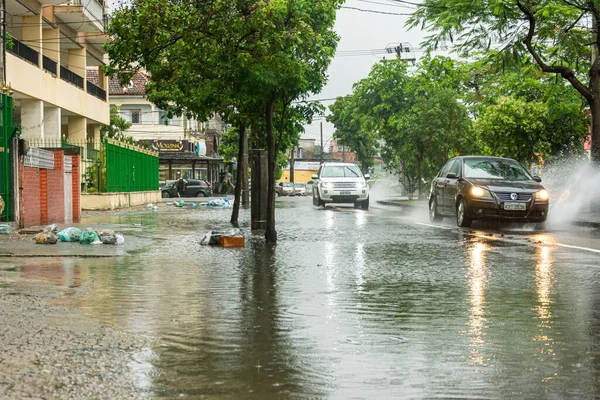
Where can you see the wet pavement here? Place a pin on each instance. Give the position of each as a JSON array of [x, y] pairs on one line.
[[359, 304]]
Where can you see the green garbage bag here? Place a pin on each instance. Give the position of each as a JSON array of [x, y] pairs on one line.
[[89, 236], [70, 235]]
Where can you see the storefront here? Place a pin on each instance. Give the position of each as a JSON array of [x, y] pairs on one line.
[[185, 159]]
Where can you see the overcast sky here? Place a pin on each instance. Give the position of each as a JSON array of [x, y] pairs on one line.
[[361, 30]]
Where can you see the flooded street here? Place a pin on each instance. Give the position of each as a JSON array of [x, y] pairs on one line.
[[349, 304]]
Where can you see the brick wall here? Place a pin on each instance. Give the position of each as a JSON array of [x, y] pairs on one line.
[[43, 198], [30, 182], [55, 190]]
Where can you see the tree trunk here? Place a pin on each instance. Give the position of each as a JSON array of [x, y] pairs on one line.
[[270, 232], [595, 133], [240, 176], [365, 167]]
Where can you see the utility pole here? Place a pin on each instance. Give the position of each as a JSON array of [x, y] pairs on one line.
[[292, 166], [321, 142], [403, 48]]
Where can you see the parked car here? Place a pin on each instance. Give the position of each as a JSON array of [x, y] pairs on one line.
[[309, 187], [340, 183], [300, 189], [194, 188], [479, 188], [284, 189]]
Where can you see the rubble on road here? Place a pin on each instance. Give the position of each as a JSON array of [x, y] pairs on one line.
[[228, 238]]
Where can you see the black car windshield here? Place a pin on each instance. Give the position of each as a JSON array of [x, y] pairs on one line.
[[495, 168], [341, 171]]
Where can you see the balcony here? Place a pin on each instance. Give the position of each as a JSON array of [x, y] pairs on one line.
[[71, 77], [95, 90], [49, 65], [25, 52], [82, 15]]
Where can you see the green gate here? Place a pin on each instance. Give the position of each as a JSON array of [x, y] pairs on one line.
[[130, 168], [6, 132]]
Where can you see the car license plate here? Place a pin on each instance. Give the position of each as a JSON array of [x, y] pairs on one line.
[[343, 193], [515, 206]]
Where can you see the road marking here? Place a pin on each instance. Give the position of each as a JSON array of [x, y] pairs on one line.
[[575, 247], [527, 242]]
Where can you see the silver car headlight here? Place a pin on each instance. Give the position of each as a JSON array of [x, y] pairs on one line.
[[542, 194]]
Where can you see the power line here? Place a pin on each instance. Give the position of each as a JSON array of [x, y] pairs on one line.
[[375, 12]]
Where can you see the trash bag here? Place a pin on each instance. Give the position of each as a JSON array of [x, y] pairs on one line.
[[51, 228], [5, 229], [120, 238], [182, 203], [193, 204], [89, 236], [155, 208], [149, 205], [70, 235], [107, 236], [46, 238]]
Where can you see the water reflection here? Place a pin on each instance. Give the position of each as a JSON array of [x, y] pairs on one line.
[[476, 280], [359, 266], [543, 280]]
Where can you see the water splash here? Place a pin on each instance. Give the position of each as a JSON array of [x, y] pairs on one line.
[[573, 186]]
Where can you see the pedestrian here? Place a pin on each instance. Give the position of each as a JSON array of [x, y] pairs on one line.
[[181, 186]]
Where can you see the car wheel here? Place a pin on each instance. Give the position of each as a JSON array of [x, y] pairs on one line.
[[462, 215], [204, 194], [434, 216], [365, 204], [165, 195], [317, 200]]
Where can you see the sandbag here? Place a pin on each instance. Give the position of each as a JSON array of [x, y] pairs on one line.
[[89, 236], [46, 238], [70, 234]]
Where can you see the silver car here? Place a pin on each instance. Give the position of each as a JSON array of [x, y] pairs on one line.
[[341, 183]]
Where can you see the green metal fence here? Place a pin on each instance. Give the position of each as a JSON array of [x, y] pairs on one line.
[[130, 168], [7, 130]]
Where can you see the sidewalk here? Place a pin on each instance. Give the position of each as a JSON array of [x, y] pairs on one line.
[[584, 218]]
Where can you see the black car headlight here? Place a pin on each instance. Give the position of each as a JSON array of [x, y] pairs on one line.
[[477, 192], [542, 195]]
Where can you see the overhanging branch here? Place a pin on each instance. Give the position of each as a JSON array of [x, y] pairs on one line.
[[565, 72]]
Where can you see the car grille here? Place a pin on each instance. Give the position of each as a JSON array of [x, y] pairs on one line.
[[506, 196], [344, 185]]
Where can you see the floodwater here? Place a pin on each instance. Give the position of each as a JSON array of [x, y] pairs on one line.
[[348, 304]]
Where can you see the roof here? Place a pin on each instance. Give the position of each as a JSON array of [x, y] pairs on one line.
[[136, 88], [338, 163]]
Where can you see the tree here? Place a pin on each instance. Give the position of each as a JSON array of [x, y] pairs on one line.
[[117, 127], [246, 58], [558, 36], [554, 107], [417, 116], [352, 131]]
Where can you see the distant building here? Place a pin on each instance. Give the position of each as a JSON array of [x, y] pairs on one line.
[[188, 148]]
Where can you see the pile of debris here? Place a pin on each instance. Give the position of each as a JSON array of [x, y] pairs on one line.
[[228, 238], [50, 235]]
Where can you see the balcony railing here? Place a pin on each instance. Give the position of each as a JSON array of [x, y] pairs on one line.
[[95, 90], [49, 64], [71, 77], [25, 52]]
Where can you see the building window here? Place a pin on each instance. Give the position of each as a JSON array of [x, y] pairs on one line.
[[136, 116]]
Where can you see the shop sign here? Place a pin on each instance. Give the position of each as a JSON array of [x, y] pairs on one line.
[[170, 146]]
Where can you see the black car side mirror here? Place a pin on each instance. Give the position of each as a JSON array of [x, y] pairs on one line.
[[537, 178], [451, 175]]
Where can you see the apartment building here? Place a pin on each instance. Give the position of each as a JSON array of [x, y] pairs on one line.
[[51, 46]]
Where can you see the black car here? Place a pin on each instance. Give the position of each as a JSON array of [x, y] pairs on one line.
[[194, 188], [479, 188]]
